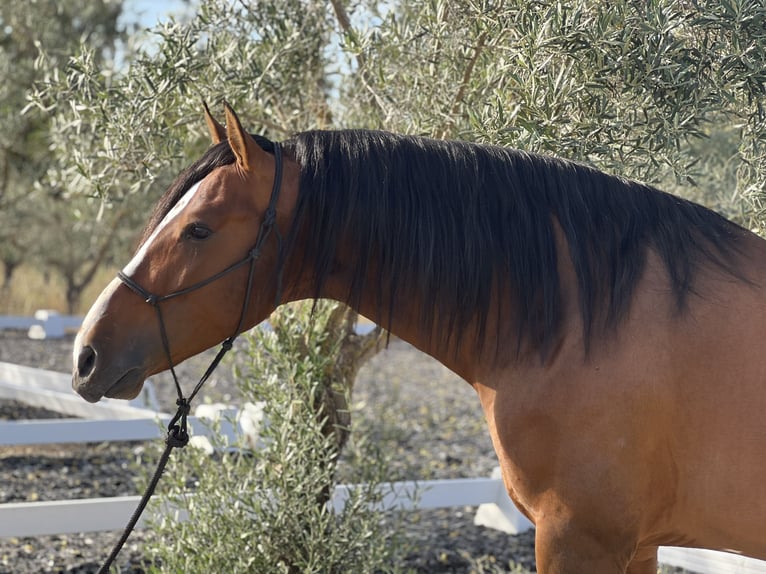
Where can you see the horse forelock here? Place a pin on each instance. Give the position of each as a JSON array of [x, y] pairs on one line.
[[216, 156], [450, 220]]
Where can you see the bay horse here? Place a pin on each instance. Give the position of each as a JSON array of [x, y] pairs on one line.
[[610, 330]]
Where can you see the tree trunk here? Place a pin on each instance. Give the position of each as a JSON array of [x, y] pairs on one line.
[[9, 268], [73, 293], [338, 385]]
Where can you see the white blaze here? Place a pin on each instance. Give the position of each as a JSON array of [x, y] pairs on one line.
[[131, 267]]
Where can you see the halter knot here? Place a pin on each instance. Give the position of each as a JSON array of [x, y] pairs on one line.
[[152, 300], [270, 217], [254, 253], [178, 436], [227, 344], [183, 411]]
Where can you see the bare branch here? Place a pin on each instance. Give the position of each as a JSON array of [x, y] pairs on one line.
[[345, 23], [467, 74]]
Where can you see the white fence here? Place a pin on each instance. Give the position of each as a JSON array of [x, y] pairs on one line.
[[96, 514], [46, 324], [138, 420]]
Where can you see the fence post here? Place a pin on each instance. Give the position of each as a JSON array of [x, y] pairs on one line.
[[50, 324], [502, 514]]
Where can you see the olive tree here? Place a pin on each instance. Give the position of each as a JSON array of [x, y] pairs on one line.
[[266, 509], [629, 87]]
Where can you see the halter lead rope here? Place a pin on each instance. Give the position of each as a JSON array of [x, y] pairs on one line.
[[178, 435]]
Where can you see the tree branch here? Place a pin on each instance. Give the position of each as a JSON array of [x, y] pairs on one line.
[[96, 261], [467, 74], [345, 23]]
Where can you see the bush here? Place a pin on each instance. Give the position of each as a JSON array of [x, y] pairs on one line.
[[265, 510]]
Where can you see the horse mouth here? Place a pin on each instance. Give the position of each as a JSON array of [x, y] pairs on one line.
[[127, 387]]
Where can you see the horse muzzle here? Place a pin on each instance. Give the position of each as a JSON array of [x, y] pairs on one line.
[[93, 384], [105, 365]]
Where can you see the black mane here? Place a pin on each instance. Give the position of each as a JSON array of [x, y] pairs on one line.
[[446, 221]]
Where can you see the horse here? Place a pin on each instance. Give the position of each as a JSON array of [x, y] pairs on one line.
[[610, 330]]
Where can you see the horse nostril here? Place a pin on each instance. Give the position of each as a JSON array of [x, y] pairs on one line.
[[86, 361]]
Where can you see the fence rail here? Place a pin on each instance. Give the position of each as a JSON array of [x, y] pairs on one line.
[[98, 514], [116, 420], [46, 324]]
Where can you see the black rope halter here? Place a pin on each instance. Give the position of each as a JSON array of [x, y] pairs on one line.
[[178, 435]]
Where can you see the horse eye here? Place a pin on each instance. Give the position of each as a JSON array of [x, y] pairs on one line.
[[198, 231]]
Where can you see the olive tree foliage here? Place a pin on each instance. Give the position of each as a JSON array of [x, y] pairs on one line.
[[631, 87], [276, 518], [121, 130], [129, 131]]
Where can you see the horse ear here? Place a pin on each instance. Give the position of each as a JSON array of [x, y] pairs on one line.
[[217, 131], [246, 150]]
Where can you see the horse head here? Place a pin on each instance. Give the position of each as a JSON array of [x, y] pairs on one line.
[[207, 266]]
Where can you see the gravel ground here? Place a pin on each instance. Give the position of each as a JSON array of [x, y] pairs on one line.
[[441, 437]]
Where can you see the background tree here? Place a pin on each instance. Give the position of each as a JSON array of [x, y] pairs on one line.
[[59, 28], [629, 87], [268, 59], [74, 242]]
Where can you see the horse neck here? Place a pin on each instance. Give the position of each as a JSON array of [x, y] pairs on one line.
[[461, 358], [403, 319], [472, 353], [464, 353]]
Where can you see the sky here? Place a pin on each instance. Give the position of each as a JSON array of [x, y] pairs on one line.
[[148, 12]]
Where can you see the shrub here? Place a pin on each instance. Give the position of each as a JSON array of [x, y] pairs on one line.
[[265, 510]]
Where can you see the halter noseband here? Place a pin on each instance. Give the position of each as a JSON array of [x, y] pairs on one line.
[[178, 432]]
